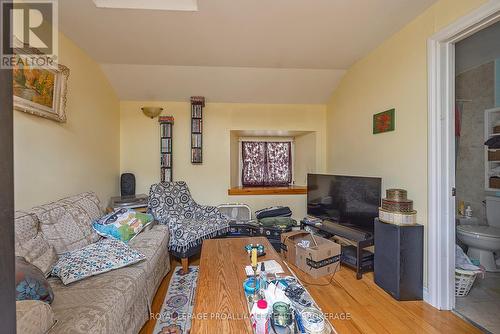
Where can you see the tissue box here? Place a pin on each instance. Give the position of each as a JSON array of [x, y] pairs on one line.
[[321, 258]]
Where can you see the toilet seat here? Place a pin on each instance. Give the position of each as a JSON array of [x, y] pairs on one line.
[[480, 230]]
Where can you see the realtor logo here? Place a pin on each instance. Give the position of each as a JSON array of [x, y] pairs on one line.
[[29, 33]]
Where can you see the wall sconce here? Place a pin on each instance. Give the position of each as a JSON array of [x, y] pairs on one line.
[[152, 112]]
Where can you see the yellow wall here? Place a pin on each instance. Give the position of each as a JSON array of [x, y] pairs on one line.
[[52, 159], [305, 159], [209, 182], [392, 76]]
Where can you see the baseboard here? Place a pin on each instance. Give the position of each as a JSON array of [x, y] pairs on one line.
[[425, 295]]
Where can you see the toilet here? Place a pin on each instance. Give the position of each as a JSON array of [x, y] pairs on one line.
[[483, 239]]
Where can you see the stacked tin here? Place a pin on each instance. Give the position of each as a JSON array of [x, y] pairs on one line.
[[397, 208]]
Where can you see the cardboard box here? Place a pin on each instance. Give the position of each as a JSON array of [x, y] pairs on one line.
[[321, 258], [288, 244]]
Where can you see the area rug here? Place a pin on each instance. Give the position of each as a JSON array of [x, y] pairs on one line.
[[175, 315]]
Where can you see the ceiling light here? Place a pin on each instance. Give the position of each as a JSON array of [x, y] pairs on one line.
[[176, 5], [152, 112]]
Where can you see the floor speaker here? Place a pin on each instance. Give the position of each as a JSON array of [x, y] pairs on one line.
[[127, 184], [399, 260]]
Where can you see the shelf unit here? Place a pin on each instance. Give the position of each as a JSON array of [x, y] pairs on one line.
[[197, 105], [166, 144], [491, 120]]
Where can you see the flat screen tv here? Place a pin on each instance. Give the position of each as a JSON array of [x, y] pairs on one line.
[[352, 201]]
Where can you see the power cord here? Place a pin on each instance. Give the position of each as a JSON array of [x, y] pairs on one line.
[[305, 283], [330, 281]]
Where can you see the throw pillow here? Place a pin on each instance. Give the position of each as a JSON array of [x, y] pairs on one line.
[[67, 223], [31, 245], [31, 283], [100, 257], [122, 224]]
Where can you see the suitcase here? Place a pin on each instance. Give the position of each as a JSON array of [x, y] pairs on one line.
[[275, 211]]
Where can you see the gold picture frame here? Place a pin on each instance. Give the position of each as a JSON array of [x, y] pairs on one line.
[[41, 92]]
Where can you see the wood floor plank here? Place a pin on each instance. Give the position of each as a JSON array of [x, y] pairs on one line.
[[371, 310]]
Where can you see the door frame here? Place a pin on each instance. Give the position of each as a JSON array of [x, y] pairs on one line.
[[7, 267], [440, 291]]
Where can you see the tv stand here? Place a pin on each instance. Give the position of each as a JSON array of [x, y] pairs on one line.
[[360, 240]]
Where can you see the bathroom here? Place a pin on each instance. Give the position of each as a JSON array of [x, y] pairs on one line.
[[477, 178]]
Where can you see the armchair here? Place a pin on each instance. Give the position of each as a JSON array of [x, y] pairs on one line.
[[189, 222]]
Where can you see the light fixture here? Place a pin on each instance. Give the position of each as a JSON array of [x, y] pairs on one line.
[[173, 5], [152, 112]]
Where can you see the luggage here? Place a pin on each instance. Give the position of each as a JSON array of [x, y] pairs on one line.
[[278, 222], [275, 211]]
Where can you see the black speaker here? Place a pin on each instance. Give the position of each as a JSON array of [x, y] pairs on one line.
[[127, 184], [399, 260]]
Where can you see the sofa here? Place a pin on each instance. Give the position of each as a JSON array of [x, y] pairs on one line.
[[118, 301]]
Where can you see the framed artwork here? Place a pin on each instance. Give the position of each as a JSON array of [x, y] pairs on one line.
[[41, 92], [384, 121]]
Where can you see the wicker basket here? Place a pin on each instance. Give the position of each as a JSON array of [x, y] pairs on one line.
[[464, 279]]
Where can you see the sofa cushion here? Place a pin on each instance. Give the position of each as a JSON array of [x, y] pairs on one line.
[[31, 283], [67, 223], [97, 258], [117, 301], [30, 244], [154, 245], [33, 317]]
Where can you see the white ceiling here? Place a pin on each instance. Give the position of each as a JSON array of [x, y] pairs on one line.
[[299, 37], [222, 84]]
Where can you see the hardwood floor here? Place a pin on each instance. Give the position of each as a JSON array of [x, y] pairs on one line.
[[358, 306]]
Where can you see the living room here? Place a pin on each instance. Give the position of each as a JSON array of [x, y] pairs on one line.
[[339, 90]]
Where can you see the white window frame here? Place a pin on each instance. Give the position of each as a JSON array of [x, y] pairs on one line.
[[264, 139]]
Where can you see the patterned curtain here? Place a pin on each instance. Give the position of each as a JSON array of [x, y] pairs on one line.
[[266, 163]]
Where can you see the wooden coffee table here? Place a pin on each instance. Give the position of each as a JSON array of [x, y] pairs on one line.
[[220, 305]]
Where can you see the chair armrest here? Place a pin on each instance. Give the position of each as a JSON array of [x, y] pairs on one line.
[[34, 316]]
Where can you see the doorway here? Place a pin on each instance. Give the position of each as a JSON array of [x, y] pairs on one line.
[[442, 165], [477, 178]]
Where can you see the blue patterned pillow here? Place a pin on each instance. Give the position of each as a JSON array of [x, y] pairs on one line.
[[122, 224], [31, 283], [97, 258]]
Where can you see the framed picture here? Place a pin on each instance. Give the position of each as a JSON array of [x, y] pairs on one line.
[[41, 92], [384, 121]]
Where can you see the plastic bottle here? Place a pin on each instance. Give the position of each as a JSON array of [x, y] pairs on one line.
[[468, 212], [260, 317], [263, 278]]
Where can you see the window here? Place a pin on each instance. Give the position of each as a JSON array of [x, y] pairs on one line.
[[266, 163]]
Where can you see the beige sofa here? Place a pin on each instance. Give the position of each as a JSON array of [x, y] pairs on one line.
[[115, 302]]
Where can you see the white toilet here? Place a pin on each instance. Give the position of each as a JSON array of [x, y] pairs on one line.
[[483, 239]]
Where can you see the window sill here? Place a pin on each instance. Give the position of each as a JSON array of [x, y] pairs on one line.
[[292, 190]]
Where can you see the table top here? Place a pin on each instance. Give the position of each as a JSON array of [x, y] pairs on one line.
[[220, 304]]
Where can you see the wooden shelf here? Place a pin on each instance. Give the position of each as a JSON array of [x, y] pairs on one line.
[[197, 105], [292, 190], [166, 148]]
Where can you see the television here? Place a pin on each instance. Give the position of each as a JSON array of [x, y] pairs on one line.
[[351, 201]]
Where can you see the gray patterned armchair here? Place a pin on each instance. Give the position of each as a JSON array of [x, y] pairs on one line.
[[189, 222]]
